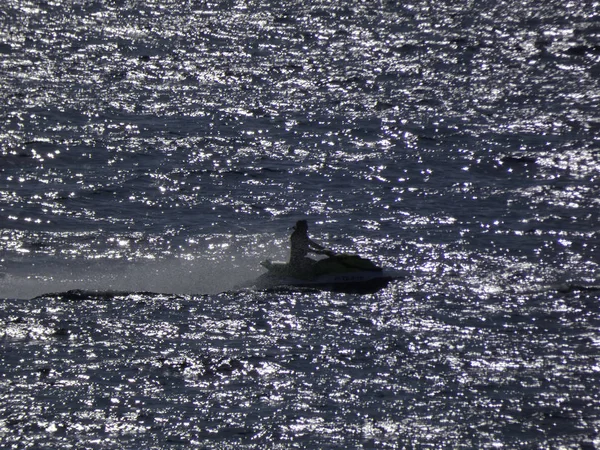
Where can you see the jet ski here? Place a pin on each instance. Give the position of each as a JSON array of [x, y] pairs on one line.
[[337, 272]]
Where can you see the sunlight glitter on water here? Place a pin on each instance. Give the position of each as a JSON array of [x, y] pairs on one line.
[[417, 346], [170, 152]]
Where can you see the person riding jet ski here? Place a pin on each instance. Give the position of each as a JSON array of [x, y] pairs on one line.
[[339, 271], [301, 245]]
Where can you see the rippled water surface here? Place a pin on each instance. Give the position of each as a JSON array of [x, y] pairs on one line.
[[167, 147]]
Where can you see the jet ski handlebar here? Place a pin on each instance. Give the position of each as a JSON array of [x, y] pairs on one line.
[[326, 252]]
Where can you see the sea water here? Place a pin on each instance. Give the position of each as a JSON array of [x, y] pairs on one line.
[[153, 153]]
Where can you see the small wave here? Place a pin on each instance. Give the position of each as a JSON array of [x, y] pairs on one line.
[[77, 295], [568, 288]]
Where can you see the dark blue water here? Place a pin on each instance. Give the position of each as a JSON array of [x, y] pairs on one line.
[[153, 153]]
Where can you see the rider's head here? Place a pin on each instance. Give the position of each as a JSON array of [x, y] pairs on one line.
[[301, 225]]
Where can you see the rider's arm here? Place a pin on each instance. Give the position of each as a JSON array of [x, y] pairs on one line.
[[320, 249], [315, 245]]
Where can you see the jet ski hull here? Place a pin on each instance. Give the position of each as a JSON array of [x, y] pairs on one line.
[[346, 279]]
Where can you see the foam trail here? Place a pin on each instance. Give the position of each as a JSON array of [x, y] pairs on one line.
[[172, 276]]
